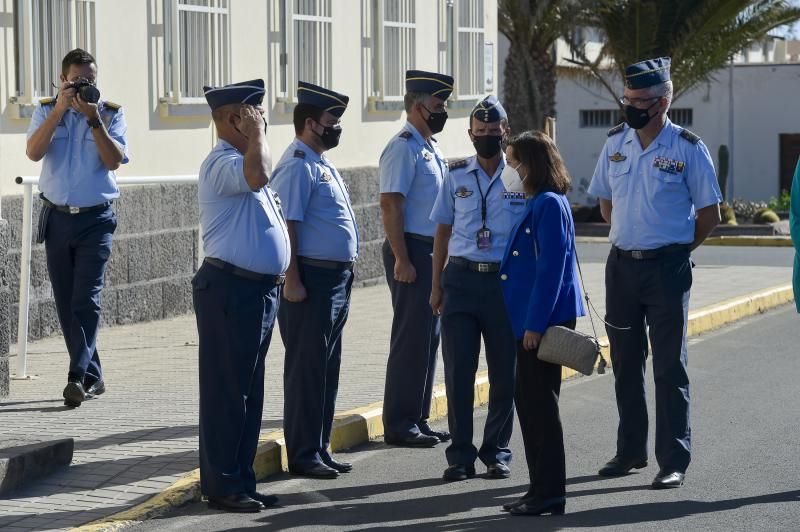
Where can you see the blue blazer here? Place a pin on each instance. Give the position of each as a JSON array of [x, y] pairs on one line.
[[538, 273]]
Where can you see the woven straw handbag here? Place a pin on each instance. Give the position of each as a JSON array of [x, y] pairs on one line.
[[570, 348]]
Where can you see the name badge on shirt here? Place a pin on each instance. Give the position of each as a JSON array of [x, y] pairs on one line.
[[669, 165], [515, 196], [427, 155]]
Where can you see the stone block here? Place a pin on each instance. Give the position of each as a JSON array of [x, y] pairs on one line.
[[46, 320], [23, 464], [108, 307], [141, 302], [178, 297], [5, 376], [172, 254], [370, 225], [140, 258], [370, 261], [117, 267], [363, 184]]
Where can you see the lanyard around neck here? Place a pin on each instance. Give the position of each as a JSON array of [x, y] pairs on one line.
[[483, 197]]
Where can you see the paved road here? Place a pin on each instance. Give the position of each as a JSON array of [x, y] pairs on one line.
[[745, 476], [710, 255]]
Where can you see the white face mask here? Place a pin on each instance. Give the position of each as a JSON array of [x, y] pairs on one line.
[[511, 179]]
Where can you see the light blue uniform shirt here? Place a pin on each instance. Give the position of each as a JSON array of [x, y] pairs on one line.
[[654, 192], [314, 195], [239, 225], [72, 172], [415, 169], [459, 205]]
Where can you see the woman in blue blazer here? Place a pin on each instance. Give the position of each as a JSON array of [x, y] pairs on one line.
[[540, 287]]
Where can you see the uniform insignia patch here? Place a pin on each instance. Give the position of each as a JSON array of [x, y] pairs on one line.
[[47, 101], [461, 163], [405, 135], [300, 154], [111, 106], [617, 157], [691, 137], [515, 196], [427, 155], [616, 129], [669, 165], [326, 177], [463, 192]]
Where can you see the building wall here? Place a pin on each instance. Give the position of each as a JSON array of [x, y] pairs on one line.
[[761, 112]]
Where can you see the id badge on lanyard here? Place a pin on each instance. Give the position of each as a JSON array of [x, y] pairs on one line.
[[483, 238]]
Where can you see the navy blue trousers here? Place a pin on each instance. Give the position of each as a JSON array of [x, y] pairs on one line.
[[78, 247], [411, 368], [311, 331], [472, 307], [651, 294], [235, 318]]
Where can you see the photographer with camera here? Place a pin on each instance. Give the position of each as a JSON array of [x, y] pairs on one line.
[[81, 140]]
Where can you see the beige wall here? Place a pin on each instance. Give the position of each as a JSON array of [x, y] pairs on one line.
[[130, 55]]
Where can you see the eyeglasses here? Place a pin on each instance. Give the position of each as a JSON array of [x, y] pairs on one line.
[[636, 102]]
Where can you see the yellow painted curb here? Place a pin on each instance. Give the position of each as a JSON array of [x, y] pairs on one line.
[[754, 241], [361, 425]]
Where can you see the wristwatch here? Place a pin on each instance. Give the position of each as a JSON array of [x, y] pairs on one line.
[[94, 123]]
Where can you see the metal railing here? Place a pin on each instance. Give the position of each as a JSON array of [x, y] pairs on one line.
[[29, 182]]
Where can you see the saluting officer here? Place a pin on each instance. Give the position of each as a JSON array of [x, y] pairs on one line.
[[658, 190], [82, 141], [236, 293], [322, 230], [411, 171], [475, 214]]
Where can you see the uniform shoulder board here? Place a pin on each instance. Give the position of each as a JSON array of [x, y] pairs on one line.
[[691, 137], [461, 163], [111, 106], [47, 101], [300, 154], [616, 129], [405, 135]]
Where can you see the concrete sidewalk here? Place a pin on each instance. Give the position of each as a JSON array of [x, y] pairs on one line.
[[142, 435]]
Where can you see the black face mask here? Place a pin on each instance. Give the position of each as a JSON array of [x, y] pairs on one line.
[[330, 136], [436, 120], [638, 118], [487, 146]]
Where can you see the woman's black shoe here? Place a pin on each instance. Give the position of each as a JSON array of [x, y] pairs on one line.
[[553, 506]]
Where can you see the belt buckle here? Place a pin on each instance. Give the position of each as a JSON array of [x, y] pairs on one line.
[[637, 254], [74, 210], [483, 267]]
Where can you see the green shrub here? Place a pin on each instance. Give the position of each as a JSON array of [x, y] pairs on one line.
[[781, 203], [766, 216]]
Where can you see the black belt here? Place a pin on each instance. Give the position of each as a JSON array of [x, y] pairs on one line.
[[482, 267], [415, 236], [73, 210], [328, 264], [646, 254], [246, 274]]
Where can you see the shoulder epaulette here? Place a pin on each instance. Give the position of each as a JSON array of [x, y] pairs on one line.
[[111, 106], [405, 135], [691, 137], [300, 154], [47, 101], [616, 129], [461, 163]]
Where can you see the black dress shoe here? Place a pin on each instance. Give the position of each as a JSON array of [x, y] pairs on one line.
[[552, 506], [317, 471], [509, 505], [668, 479], [412, 440], [458, 472], [239, 503], [498, 470], [95, 389], [265, 500], [74, 394], [341, 467], [618, 466], [442, 435]]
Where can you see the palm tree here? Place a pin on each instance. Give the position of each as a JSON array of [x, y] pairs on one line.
[[700, 35], [533, 27]]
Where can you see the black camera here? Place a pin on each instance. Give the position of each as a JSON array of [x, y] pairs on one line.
[[86, 89]]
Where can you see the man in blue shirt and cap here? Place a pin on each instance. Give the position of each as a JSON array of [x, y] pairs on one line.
[[82, 140], [657, 188], [236, 293], [322, 230], [475, 215], [411, 171]]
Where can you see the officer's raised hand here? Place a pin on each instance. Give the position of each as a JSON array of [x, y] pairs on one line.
[[89, 110], [65, 97], [251, 121]]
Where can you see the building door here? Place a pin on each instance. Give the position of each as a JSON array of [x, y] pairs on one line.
[[790, 153]]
